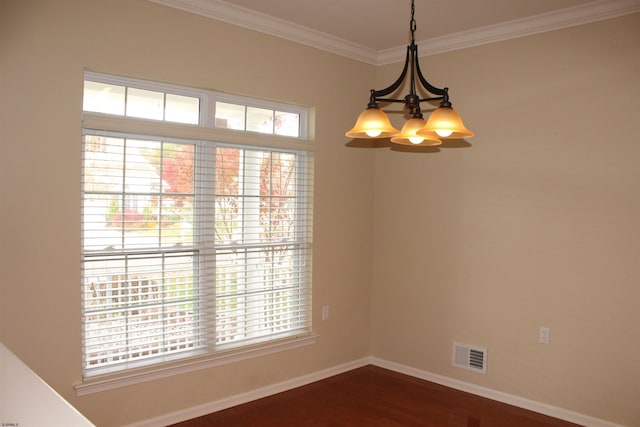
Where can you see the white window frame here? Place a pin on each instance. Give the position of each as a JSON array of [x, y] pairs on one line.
[[94, 123]]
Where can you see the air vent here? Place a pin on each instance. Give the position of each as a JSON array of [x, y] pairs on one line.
[[470, 357]]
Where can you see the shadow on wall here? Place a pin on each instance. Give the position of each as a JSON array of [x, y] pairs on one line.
[[386, 143]]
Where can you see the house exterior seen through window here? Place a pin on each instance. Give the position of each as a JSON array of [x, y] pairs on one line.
[[190, 247]]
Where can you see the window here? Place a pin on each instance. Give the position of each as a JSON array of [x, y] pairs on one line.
[[153, 101], [263, 120], [146, 104], [189, 247]]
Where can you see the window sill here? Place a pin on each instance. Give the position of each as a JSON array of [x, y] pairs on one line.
[[123, 379]]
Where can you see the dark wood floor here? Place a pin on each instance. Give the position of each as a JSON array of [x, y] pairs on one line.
[[375, 397]]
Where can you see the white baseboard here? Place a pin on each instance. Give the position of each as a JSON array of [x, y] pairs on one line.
[[218, 405], [228, 402], [510, 399]]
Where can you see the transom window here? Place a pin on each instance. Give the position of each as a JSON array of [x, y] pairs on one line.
[[190, 247], [154, 101]]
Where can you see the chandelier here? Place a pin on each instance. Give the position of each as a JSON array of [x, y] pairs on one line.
[[444, 122]]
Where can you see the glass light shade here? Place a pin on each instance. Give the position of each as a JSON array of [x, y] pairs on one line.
[[408, 136], [445, 122], [372, 123]]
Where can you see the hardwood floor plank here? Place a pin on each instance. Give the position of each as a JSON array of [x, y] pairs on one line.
[[375, 397]]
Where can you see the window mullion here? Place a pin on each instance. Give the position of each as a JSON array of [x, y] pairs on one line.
[[255, 268], [204, 239]]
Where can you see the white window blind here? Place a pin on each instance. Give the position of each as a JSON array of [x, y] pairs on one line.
[[190, 247]]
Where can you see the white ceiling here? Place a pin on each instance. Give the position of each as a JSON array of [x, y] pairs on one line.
[[376, 31]]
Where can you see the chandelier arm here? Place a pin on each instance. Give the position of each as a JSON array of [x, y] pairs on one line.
[[428, 86], [395, 85], [435, 98], [391, 100]]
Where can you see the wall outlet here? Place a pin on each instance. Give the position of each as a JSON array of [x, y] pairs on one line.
[[325, 312], [545, 335]]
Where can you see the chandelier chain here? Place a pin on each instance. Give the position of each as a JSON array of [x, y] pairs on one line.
[[412, 24]]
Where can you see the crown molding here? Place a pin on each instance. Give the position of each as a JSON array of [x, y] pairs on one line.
[[570, 17], [257, 21], [590, 12]]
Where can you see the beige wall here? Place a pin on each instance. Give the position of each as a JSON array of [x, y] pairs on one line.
[[537, 223], [45, 46]]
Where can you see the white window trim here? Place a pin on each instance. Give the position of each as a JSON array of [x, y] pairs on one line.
[[108, 123], [105, 123], [106, 382]]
